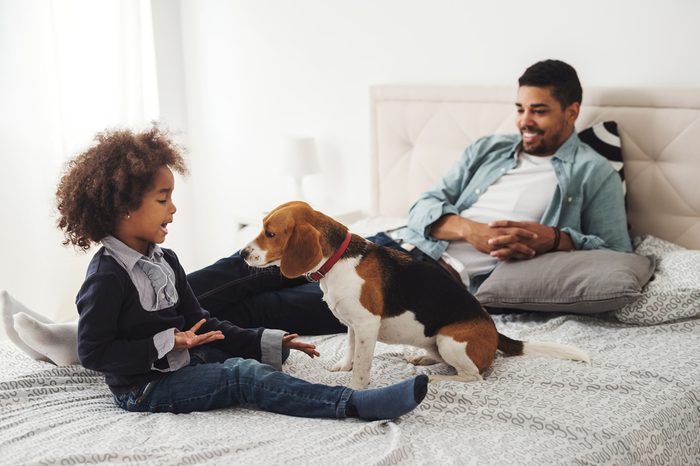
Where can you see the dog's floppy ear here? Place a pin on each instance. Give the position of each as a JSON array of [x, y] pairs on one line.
[[302, 252], [284, 206]]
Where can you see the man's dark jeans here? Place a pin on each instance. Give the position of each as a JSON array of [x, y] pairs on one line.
[[248, 297]]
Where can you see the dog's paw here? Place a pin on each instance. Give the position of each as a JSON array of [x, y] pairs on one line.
[[342, 366], [423, 360]]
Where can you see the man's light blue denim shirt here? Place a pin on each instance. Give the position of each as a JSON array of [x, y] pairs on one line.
[[588, 203]]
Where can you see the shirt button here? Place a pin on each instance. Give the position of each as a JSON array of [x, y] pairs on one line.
[[503, 170], [477, 190], [570, 199]]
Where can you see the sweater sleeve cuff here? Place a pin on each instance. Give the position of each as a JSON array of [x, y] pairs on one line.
[[271, 349], [164, 341]]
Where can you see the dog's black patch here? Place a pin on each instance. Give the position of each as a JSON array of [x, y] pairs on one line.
[[425, 289]]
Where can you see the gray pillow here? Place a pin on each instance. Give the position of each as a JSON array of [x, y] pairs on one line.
[[581, 282]]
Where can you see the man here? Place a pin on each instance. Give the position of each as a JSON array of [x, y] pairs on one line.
[[518, 196], [509, 197]]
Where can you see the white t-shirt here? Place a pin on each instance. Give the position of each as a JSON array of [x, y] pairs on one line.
[[521, 194]]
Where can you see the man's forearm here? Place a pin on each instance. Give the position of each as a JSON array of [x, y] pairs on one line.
[[451, 228]]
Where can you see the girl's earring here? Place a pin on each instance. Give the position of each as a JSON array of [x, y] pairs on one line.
[[128, 216]]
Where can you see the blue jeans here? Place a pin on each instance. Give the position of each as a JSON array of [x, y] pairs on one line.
[[212, 380], [249, 297]]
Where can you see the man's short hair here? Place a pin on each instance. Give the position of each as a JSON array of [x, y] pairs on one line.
[[559, 76]]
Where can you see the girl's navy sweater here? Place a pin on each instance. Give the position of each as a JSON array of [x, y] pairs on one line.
[[115, 333]]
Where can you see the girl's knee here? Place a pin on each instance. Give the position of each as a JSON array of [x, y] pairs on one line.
[[248, 368], [247, 379]]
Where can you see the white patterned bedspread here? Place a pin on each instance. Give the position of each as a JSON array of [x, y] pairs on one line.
[[637, 403]]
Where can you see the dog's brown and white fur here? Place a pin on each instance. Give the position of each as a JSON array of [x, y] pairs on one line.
[[383, 294]]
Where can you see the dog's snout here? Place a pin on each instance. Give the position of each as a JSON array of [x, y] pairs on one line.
[[251, 255]]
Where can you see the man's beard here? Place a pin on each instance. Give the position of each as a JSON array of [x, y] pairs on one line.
[[543, 146]]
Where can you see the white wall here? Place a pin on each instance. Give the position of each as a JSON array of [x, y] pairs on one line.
[[257, 70], [251, 72], [65, 73]]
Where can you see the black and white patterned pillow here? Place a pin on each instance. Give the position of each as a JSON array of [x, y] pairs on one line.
[[604, 138]]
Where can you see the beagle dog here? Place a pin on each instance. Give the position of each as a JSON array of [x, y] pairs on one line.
[[384, 294]]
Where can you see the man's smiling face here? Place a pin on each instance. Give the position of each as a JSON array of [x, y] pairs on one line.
[[543, 124]]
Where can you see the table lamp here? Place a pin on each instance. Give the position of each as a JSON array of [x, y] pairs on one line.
[[299, 160]]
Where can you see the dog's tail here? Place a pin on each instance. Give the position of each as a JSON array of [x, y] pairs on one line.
[[511, 347]]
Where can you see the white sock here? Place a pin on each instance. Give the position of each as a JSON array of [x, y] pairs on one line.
[[10, 306], [57, 342]]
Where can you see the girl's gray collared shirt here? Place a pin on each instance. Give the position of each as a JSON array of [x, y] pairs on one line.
[[129, 259]]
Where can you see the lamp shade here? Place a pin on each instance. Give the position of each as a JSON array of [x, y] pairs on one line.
[[300, 157]]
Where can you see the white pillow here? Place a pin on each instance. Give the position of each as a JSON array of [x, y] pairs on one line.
[[372, 225]]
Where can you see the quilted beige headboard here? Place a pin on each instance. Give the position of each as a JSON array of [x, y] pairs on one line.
[[418, 132]]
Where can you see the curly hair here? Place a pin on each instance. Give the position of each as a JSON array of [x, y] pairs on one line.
[[110, 179], [560, 76]]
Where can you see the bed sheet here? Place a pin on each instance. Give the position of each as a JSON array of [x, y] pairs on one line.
[[637, 402]]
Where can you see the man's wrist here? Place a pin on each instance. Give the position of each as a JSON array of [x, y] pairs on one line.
[[557, 239], [467, 228]]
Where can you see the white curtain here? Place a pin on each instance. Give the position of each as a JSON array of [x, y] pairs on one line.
[[68, 69]]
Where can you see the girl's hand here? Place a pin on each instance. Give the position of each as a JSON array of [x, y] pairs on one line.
[[288, 341], [190, 339]]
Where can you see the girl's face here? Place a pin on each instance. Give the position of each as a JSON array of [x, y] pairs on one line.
[[148, 224]]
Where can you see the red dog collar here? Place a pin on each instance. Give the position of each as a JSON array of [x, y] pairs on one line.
[[320, 273]]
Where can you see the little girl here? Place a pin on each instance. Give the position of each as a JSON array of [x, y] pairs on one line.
[[140, 323]]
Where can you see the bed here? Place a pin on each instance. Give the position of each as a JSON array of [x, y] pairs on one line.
[[638, 402]]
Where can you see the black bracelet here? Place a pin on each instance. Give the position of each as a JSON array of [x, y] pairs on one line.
[[557, 239]]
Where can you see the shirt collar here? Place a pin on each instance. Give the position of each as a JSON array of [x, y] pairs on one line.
[[567, 151], [127, 256]]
